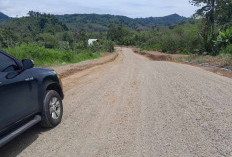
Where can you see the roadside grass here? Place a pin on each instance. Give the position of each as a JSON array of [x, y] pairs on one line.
[[44, 56], [223, 60]]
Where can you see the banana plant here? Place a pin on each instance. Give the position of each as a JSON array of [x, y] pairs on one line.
[[224, 38]]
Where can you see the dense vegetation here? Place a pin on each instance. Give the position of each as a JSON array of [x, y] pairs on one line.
[[47, 40], [182, 38], [46, 56], [211, 34], [162, 21]]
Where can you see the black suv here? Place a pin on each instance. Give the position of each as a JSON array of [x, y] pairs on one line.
[[28, 96]]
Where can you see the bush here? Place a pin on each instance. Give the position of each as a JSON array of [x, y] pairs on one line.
[[186, 52], [6, 38], [227, 50], [48, 40], [155, 47], [64, 45], [102, 46], [42, 55], [224, 38], [183, 38], [109, 46]]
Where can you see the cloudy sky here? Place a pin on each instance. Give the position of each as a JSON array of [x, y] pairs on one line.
[[131, 8]]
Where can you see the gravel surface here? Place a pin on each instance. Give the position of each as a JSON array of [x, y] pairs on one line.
[[70, 69], [136, 107]]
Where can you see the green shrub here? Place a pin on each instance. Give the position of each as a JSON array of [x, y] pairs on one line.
[[48, 40], [109, 46], [155, 47], [42, 55], [227, 50], [224, 38], [64, 45], [7, 38], [186, 52]]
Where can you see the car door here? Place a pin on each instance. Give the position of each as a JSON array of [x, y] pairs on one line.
[[17, 97]]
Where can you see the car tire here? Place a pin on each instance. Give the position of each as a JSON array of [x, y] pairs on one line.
[[52, 109]]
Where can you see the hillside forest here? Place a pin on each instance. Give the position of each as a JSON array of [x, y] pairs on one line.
[[54, 39]]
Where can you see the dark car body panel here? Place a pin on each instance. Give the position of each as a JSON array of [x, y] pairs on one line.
[[22, 94], [17, 98]]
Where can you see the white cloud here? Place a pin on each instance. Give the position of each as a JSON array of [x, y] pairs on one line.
[[135, 8]]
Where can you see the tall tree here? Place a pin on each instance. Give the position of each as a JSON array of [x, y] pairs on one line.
[[118, 33], [224, 13], [208, 12], [215, 13]]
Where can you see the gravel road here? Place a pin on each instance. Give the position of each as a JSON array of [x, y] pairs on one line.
[[135, 107]]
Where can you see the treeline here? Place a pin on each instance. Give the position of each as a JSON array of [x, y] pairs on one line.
[[182, 38], [38, 35], [210, 33], [45, 30], [95, 22]]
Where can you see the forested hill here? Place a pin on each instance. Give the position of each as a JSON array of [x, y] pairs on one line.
[[96, 22], [4, 17], [35, 23], [162, 21]]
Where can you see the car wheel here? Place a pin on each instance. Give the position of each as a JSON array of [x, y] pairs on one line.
[[52, 109]]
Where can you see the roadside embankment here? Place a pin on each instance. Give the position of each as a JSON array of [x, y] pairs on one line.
[[67, 70], [159, 56], [221, 64], [220, 61], [215, 65]]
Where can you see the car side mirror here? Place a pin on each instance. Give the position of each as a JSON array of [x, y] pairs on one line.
[[27, 64]]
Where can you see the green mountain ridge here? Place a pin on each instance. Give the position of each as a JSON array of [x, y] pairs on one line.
[[162, 21], [96, 22], [31, 27], [4, 17]]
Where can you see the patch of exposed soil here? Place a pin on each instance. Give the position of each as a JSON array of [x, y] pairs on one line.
[[159, 56], [67, 70]]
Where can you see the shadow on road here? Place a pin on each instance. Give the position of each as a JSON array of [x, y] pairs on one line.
[[16, 146]]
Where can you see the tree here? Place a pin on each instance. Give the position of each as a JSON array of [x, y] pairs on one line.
[[82, 38], [119, 34], [68, 36], [208, 12], [215, 13], [6, 38], [34, 14], [48, 40], [111, 34], [224, 10]]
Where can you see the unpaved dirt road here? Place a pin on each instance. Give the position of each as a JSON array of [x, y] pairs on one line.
[[136, 107]]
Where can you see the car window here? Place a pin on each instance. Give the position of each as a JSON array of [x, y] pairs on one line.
[[6, 63]]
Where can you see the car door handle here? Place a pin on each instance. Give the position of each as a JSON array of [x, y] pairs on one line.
[[29, 79]]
